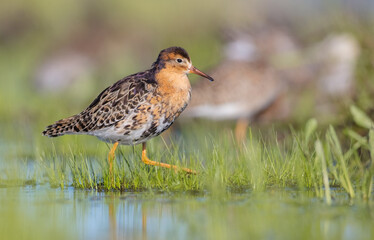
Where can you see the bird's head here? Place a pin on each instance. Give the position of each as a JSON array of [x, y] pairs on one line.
[[176, 60]]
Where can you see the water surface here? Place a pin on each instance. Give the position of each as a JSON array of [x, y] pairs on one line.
[[44, 213]]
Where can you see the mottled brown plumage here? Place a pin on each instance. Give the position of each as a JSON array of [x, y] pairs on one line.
[[137, 107], [111, 107]]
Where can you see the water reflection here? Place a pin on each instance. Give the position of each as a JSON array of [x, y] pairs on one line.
[[92, 215], [44, 213]]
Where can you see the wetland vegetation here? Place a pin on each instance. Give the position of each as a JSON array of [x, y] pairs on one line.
[[309, 178]]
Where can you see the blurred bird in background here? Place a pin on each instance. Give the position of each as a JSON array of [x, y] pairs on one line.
[[266, 72], [246, 83]]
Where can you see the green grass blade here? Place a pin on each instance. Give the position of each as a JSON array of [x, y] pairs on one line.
[[321, 156], [360, 118]]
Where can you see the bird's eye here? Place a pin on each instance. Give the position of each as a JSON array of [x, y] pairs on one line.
[[179, 60]]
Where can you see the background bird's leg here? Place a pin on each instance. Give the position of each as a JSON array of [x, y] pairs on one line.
[[146, 160], [241, 129], [111, 158]]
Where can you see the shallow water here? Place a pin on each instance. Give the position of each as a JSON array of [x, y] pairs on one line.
[[44, 213]]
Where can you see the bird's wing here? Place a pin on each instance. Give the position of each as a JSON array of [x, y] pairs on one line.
[[116, 102]]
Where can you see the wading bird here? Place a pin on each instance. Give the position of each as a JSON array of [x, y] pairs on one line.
[[249, 82], [137, 107]]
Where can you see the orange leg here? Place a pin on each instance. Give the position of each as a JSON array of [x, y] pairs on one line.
[[111, 157], [241, 130], [146, 160]]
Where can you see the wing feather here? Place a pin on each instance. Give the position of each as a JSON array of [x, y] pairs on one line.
[[116, 102]]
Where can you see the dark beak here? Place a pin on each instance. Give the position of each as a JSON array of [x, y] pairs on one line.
[[198, 72]]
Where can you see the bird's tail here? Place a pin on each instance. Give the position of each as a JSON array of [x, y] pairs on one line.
[[68, 125]]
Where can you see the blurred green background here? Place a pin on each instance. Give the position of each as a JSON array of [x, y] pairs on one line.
[[111, 39], [108, 40]]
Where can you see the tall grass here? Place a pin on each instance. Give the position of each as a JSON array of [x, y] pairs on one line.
[[311, 159]]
